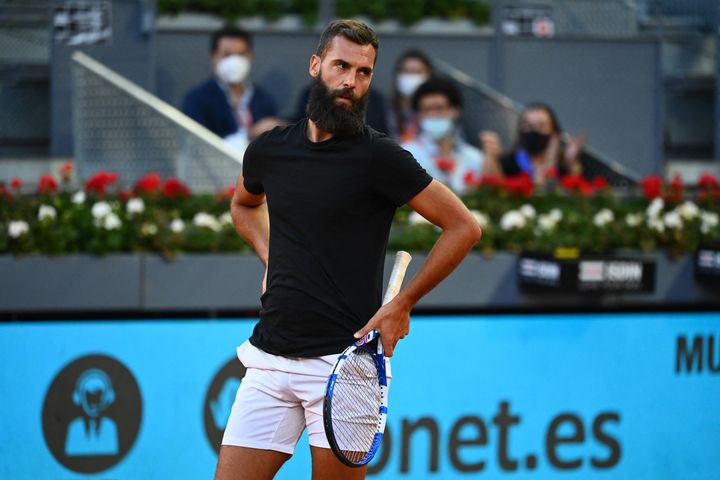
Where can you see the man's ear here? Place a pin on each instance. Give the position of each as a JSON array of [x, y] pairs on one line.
[[314, 66]]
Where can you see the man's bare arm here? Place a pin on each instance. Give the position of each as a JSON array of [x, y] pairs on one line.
[[250, 217], [460, 232]]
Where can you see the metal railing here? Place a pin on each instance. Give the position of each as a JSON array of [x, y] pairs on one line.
[[125, 129]]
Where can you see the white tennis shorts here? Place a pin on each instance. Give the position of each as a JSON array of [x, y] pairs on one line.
[[278, 398]]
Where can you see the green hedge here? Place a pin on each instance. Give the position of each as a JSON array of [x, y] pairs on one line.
[[407, 12]]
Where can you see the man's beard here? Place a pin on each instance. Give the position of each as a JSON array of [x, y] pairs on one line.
[[340, 120]]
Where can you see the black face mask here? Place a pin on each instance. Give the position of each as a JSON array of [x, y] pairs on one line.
[[534, 142]]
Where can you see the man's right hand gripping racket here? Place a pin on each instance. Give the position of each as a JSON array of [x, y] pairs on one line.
[[356, 396]]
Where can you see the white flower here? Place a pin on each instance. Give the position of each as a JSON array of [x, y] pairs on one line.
[[47, 211], [18, 228], [512, 219], [556, 214], [547, 222], [202, 219], [481, 219], [79, 197], [100, 210], [688, 210], [416, 219], [111, 222], [135, 205], [603, 217], [226, 219], [633, 219], [672, 220], [177, 225], [708, 221], [654, 223], [148, 229], [528, 211], [655, 207]]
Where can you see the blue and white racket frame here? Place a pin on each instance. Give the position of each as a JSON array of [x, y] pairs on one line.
[[378, 356], [402, 260]]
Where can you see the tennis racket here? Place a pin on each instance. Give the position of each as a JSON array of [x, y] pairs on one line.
[[356, 396]]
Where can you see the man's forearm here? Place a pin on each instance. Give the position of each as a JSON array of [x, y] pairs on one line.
[[252, 223], [449, 250]]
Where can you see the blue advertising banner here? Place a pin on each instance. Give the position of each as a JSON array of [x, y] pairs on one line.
[[622, 396]]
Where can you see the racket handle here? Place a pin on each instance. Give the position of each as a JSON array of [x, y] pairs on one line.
[[402, 259]]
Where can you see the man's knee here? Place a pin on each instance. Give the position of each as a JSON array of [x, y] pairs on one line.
[[242, 463]]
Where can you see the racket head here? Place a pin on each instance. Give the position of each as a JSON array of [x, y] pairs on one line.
[[355, 403]]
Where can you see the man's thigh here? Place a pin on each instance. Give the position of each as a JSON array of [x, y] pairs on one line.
[[326, 466], [242, 463]]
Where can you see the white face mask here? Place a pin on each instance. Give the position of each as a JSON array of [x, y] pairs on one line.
[[437, 128], [407, 83], [233, 69]]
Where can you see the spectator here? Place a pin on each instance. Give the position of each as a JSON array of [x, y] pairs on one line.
[[412, 69], [541, 149], [228, 103], [438, 147]]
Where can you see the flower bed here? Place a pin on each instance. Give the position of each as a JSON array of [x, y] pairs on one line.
[[163, 216]]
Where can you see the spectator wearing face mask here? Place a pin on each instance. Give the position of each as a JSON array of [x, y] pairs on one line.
[[541, 149], [412, 69], [228, 103], [438, 147]]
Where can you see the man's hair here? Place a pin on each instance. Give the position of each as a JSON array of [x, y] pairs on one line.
[[229, 31], [353, 30], [439, 85]]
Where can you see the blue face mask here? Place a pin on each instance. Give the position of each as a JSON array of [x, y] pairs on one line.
[[437, 128]]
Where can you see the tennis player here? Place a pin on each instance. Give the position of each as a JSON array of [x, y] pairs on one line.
[[316, 200]]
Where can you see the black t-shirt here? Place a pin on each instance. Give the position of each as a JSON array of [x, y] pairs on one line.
[[331, 205]]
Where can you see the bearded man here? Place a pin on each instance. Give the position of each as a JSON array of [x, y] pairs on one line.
[[316, 200]]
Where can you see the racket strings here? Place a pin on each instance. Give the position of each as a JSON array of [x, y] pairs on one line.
[[356, 405]]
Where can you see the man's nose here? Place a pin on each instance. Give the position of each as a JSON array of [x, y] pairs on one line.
[[349, 79]]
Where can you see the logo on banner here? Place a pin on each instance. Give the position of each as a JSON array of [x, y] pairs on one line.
[[610, 274], [91, 415], [541, 272], [219, 400]]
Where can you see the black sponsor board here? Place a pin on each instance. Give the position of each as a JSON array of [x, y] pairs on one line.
[[599, 274], [707, 264]]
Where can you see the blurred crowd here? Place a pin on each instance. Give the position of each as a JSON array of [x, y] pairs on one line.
[[423, 114]]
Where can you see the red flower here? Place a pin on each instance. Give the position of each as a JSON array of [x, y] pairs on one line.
[[577, 184], [709, 187], [100, 181], [470, 179], [519, 184], [652, 186], [599, 183], [444, 164], [16, 183], [47, 184], [491, 181], [675, 189], [66, 171], [124, 195], [708, 180], [149, 183], [175, 188]]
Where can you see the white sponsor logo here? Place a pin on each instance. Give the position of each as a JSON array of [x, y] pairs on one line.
[[539, 269], [615, 272], [709, 259]]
